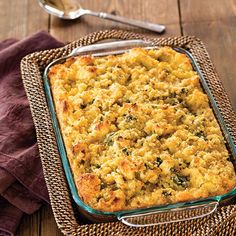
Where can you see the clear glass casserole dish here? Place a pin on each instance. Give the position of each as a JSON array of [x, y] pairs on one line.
[[151, 215]]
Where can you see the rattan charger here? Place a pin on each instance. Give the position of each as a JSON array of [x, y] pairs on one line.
[[222, 222]]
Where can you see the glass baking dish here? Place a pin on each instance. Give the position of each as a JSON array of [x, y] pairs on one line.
[[152, 215]]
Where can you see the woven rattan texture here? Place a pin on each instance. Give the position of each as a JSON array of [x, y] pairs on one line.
[[222, 222]]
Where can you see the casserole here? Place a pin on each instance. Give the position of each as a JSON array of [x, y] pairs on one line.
[[136, 216]]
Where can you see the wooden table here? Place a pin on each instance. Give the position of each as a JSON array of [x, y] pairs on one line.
[[213, 21]]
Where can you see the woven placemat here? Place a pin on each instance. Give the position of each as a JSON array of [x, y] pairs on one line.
[[222, 222]]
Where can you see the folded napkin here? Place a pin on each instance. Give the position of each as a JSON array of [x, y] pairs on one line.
[[22, 186]]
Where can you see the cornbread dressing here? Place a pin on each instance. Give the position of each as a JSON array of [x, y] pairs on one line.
[[138, 130]]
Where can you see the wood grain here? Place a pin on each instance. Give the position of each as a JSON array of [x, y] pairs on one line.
[[48, 223], [21, 18], [214, 22], [157, 11], [30, 225]]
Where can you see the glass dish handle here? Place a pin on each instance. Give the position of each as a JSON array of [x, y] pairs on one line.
[[169, 215], [122, 44]]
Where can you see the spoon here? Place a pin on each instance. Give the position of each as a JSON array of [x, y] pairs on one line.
[[71, 9]]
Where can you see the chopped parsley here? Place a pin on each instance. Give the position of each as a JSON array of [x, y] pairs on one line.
[[180, 180], [126, 151], [129, 118], [83, 105], [158, 161], [166, 193]]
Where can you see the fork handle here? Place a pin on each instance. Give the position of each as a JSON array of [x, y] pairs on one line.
[[142, 24]]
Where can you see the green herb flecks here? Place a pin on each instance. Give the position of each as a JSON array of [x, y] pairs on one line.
[[180, 180], [158, 161]]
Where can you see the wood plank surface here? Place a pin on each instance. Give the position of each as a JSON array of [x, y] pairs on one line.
[[30, 225], [19, 19], [214, 22], [48, 223], [157, 11]]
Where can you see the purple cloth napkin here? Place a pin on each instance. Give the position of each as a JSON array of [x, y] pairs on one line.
[[22, 186]]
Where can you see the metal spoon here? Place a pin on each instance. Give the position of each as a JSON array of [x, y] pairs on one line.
[[71, 9]]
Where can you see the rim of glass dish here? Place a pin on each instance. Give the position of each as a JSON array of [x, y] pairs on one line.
[[65, 161]]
